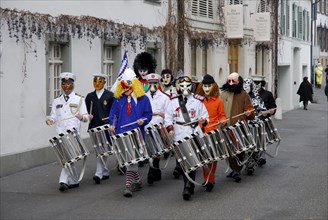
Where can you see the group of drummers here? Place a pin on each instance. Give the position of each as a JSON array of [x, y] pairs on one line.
[[147, 116]]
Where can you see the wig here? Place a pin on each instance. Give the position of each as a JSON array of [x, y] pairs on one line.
[[215, 92], [136, 87], [144, 61]]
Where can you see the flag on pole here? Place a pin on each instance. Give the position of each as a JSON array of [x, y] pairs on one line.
[[124, 65]]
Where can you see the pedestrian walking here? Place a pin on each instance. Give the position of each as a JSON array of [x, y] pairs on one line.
[[305, 92]]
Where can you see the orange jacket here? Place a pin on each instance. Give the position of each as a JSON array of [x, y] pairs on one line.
[[215, 109]]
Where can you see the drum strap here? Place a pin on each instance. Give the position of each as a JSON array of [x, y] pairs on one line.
[[184, 111]]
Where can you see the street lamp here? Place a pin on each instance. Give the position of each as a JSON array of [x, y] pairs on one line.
[[313, 19]]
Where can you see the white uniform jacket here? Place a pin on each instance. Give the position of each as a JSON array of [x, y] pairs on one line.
[[62, 112], [173, 116], [159, 103]]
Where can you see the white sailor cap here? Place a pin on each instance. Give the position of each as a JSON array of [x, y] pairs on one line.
[[153, 77], [100, 75], [67, 75]]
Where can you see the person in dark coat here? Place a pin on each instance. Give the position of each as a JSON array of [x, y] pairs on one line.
[[305, 92], [98, 104]]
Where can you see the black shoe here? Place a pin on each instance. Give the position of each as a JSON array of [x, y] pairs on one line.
[[261, 161], [96, 179], [63, 187], [186, 194], [73, 186], [236, 176], [209, 186], [150, 179], [250, 171], [127, 192], [176, 173], [105, 178], [230, 174]]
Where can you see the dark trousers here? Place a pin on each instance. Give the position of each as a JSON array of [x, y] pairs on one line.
[[233, 162]]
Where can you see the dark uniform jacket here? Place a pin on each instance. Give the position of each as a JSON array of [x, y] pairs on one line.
[[100, 107]]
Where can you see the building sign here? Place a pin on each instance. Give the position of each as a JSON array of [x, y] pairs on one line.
[[234, 21], [262, 26]]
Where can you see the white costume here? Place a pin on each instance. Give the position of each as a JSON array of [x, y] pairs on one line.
[[159, 103], [173, 116]]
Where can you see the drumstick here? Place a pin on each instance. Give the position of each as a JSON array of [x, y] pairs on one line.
[[91, 108], [103, 119], [190, 122], [219, 123], [72, 117], [241, 114], [123, 126], [267, 111]]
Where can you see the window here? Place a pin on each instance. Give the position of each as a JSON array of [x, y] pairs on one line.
[[108, 65], [235, 2], [262, 7], [233, 55], [204, 60], [154, 2], [287, 18], [282, 18], [58, 62], [202, 8]]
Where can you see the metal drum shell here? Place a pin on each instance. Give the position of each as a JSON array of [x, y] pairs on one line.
[[129, 147], [100, 139]]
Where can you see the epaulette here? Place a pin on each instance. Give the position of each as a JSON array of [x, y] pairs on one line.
[[199, 97], [79, 95]]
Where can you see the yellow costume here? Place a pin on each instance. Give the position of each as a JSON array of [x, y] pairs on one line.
[[318, 75]]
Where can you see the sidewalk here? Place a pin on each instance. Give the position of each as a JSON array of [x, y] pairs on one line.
[[293, 185]]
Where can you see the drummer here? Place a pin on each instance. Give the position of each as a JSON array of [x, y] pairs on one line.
[[159, 101], [236, 102], [186, 107], [99, 103], [130, 105], [215, 108], [67, 112]]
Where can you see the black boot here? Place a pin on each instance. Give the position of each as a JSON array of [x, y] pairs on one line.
[[189, 187], [177, 170], [151, 176]]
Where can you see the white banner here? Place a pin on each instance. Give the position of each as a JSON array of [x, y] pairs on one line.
[[234, 21], [262, 26]]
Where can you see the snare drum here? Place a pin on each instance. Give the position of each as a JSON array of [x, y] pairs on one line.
[[69, 147], [129, 147], [100, 140], [157, 140], [191, 153], [217, 144], [272, 134], [259, 135], [239, 138]]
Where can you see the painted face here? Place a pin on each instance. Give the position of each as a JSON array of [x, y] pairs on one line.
[[98, 82], [207, 88], [143, 73], [167, 78], [153, 86], [67, 86], [233, 81]]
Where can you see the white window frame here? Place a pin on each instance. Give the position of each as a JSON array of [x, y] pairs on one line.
[[108, 65]]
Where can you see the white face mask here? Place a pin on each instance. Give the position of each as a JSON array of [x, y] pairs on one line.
[[166, 78], [207, 88], [153, 86], [247, 87], [185, 88]]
